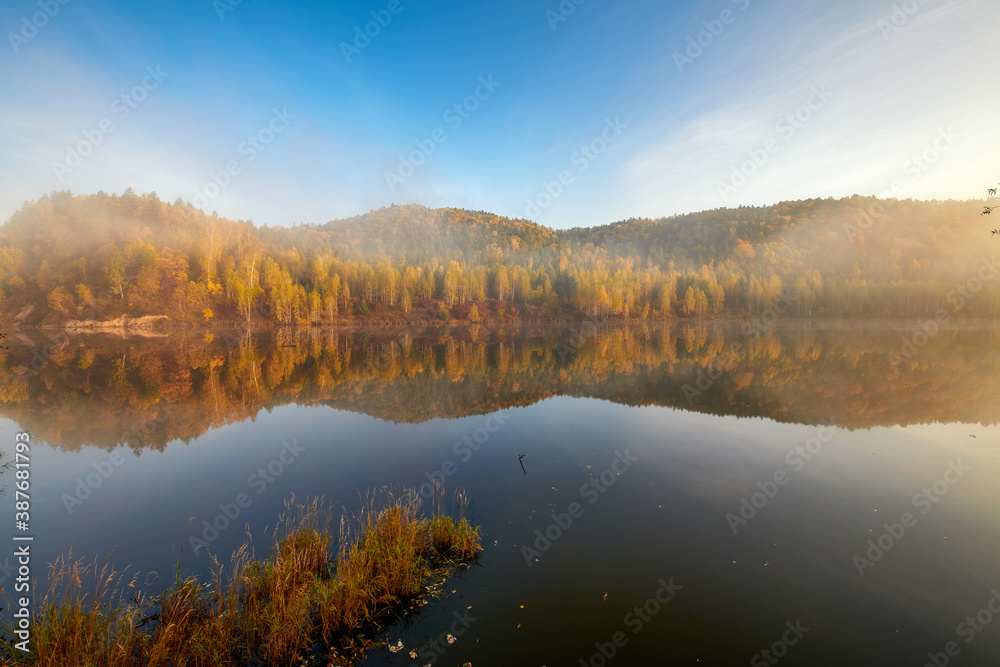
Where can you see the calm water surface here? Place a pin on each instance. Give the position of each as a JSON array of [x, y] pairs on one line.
[[689, 495]]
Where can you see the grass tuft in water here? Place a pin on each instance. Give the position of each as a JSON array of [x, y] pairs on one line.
[[315, 596]]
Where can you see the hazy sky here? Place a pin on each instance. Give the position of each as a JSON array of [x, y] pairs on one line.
[[568, 114]]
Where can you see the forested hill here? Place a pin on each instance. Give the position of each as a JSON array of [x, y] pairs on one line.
[[416, 234], [98, 257], [888, 240]]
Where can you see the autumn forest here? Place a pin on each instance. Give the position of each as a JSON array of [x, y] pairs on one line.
[[94, 258]]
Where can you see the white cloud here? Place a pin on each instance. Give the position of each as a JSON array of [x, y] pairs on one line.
[[890, 99]]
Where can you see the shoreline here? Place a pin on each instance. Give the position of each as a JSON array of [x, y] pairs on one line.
[[823, 322]]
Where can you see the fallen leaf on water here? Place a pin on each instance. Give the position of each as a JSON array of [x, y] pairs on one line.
[[450, 639], [605, 597], [397, 647]]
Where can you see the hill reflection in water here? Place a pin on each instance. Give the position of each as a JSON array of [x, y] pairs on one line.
[[107, 390]]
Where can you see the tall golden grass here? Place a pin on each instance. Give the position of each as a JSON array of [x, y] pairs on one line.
[[316, 596]]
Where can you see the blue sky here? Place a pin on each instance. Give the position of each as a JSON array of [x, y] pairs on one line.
[[567, 114]]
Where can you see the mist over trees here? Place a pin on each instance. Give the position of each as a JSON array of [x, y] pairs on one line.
[[98, 257]]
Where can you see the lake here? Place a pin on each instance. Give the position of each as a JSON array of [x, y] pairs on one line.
[[717, 494]]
